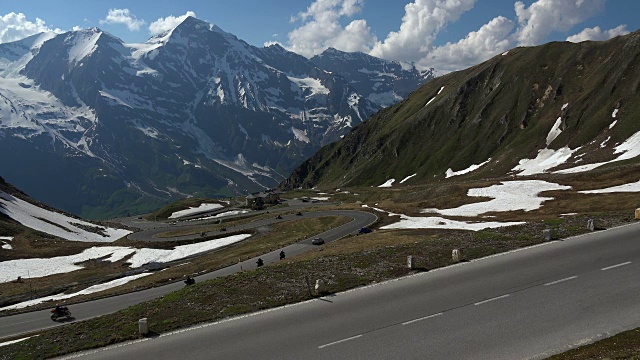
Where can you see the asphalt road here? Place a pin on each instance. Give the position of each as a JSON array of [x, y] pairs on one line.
[[529, 303], [11, 326]]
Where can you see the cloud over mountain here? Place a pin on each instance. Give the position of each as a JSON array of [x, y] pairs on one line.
[[123, 16], [15, 26], [164, 24], [423, 21], [597, 34]]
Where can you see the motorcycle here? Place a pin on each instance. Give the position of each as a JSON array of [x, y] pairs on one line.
[[60, 312], [189, 281]]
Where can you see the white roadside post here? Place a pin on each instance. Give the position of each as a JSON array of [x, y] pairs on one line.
[[320, 288], [143, 327], [638, 213], [411, 262], [547, 234], [591, 225], [456, 255]]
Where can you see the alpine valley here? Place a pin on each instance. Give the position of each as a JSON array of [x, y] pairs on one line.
[[100, 128]]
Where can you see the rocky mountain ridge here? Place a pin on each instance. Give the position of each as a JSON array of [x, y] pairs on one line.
[[107, 127], [560, 108]]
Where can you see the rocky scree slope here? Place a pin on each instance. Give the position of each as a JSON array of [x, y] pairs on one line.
[[562, 104]]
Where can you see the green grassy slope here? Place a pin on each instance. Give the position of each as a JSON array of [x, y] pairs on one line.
[[501, 109]]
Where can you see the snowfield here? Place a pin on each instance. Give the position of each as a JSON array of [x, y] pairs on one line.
[[407, 178], [419, 222], [629, 149], [632, 187], [508, 196], [195, 210], [4, 241], [10, 270], [221, 215], [555, 130], [90, 290], [434, 222], [451, 173], [388, 183], [55, 223]]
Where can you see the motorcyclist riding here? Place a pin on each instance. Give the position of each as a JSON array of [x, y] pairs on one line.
[[260, 262], [60, 311], [282, 254], [189, 280]]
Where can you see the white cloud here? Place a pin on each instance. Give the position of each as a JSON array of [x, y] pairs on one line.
[[321, 28], [76, 28], [271, 43], [425, 19], [164, 24], [123, 16], [546, 16], [596, 34], [16, 26], [477, 46], [422, 21]]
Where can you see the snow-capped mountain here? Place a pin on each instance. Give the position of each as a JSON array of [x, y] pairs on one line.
[[96, 125], [381, 81]]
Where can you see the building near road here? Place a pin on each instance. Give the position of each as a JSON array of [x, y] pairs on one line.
[[257, 201]]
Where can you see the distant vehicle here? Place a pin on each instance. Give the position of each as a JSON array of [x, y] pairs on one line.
[[189, 281], [223, 229], [364, 231], [279, 217], [305, 200], [317, 241], [299, 213], [315, 201], [59, 312]]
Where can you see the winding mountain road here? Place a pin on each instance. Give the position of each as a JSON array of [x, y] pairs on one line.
[[11, 326], [524, 304]]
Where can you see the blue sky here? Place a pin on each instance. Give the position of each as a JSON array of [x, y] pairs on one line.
[[445, 34]]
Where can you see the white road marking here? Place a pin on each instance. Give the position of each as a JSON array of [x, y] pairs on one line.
[[420, 319], [615, 266], [561, 280], [492, 299], [339, 341]]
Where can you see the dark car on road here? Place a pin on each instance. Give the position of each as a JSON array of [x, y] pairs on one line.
[[317, 241]]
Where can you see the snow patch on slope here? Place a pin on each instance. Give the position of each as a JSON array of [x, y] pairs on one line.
[[54, 223], [90, 290], [387, 183], [629, 149], [546, 159], [508, 196], [407, 178], [196, 210], [631, 187], [10, 270], [555, 131], [300, 135], [451, 173], [84, 45]]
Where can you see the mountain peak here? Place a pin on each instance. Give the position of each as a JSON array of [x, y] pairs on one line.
[[193, 23]]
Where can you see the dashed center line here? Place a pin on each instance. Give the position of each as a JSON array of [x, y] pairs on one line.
[[420, 319], [492, 299], [339, 341], [615, 266], [561, 280]]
